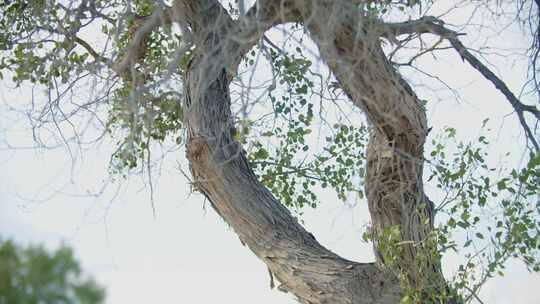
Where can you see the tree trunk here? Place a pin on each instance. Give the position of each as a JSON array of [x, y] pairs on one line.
[[303, 266], [394, 173]]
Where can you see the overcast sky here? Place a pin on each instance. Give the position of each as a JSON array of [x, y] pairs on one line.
[[187, 254]]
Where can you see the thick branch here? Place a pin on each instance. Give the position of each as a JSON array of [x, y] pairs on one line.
[[208, 19], [426, 24], [394, 186]]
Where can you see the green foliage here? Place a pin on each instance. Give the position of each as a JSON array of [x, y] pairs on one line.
[[38, 41], [142, 110], [422, 284], [281, 155], [31, 275], [488, 214], [139, 120], [496, 210]]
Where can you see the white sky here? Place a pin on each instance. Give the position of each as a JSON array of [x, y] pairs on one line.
[[188, 254]]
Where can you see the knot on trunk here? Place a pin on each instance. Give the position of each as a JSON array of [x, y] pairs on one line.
[[196, 149], [197, 153]]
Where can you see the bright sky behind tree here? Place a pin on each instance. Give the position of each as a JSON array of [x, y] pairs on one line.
[[186, 253]]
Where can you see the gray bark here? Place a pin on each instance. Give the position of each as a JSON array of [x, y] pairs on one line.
[[394, 185], [394, 174]]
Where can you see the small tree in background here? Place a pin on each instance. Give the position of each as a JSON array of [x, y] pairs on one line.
[[34, 275]]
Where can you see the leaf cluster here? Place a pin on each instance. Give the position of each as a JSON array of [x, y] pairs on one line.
[[283, 158]]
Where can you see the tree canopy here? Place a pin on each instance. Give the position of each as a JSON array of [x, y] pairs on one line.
[[265, 127]]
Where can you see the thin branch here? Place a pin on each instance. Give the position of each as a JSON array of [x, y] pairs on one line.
[[518, 106], [91, 50], [435, 26]]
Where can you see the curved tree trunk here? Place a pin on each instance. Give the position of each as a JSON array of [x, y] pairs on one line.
[[394, 173], [303, 266]]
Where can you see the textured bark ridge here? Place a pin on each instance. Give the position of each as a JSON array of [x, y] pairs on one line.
[[394, 176], [394, 184]]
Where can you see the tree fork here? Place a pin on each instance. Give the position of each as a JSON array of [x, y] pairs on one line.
[[220, 170], [395, 158]]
